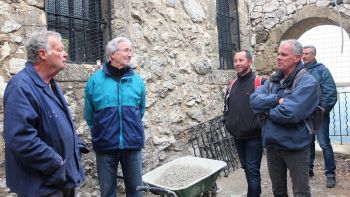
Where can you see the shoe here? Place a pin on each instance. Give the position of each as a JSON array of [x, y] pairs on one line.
[[330, 183], [311, 173]]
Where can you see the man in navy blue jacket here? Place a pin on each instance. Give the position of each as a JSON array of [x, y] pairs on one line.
[[42, 150], [284, 133], [329, 97]]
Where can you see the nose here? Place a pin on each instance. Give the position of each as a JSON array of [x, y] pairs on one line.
[[65, 54]]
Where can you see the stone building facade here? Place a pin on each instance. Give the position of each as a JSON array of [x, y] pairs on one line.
[[176, 53]]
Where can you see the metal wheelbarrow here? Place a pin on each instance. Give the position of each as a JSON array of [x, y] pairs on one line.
[[204, 173]]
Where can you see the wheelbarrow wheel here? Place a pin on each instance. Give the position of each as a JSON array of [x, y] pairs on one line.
[[212, 192]]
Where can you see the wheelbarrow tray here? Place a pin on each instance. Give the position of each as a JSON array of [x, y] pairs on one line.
[[195, 188]]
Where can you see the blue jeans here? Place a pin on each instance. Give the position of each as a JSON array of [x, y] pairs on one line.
[[297, 162], [327, 150], [250, 153], [107, 166]]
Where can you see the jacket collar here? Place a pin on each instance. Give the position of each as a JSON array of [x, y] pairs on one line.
[[105, 69], [34, 75], [250, 73], [278, 76], [60, 100], [312, 64]]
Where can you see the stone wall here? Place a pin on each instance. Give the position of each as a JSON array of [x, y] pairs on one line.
[[176, 52], [274, 20]]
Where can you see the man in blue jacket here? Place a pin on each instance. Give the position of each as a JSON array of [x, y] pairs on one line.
[[42, 150], [284, 133], [329, 97], [115, 102]]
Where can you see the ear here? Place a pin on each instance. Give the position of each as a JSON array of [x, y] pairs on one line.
[[42, 54], [298, 58]]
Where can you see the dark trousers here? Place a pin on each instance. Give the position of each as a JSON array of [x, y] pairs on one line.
[[297, 162], [250, 152], [60, 193]]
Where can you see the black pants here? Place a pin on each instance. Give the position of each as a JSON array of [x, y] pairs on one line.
[[61, 193]]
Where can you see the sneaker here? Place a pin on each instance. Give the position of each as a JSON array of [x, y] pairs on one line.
[[330, 183], [311, 173]]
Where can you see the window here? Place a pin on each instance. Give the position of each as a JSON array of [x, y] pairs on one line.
[[81, 26], [228, 30]]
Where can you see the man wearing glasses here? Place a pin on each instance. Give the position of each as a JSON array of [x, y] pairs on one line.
[[115, 100]]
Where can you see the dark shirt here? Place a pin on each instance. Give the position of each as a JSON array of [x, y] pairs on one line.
[[240, 120], [116, 72]]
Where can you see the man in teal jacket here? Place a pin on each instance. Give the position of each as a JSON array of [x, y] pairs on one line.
[[42, 150], [329, 97], [115, 100]]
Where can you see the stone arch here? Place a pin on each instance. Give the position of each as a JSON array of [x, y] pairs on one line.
[[303, 20]]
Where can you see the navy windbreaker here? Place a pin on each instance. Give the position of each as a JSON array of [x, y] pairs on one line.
[[39, 134], [285, 128]]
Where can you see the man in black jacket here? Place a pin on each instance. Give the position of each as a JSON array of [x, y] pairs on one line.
[[242, 123]]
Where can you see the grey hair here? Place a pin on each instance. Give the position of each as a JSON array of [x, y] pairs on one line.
[[297, 48], [313, 49], [248, 54], [39, 40], [113, 46]]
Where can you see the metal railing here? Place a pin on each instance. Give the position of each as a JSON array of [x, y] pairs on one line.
[[210, 140], [339, 128]]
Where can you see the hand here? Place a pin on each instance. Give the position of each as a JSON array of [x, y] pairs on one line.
[[280, 101]]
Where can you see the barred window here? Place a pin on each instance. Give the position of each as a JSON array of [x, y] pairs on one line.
[[228, 31], [81, 24]]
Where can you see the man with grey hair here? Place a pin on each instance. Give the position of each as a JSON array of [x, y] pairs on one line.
[[42, 150], [329, 98], [115, 102], [285, 135]]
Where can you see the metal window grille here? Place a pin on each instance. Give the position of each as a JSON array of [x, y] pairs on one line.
[[228, 30], [81, 25]]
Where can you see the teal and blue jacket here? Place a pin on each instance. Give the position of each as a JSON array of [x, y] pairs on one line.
[[114, 110]]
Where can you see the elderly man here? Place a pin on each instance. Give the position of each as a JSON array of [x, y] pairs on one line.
[[42, 150], [285, 134], [115, 101], [329, 97]]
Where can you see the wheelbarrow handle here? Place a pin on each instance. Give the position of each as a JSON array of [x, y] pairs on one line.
[[156, 190]]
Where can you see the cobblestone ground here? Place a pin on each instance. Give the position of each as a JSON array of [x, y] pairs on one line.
[[235, 185]]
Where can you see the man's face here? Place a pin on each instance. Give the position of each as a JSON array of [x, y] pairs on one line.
[[241, 63], [286, 60], [308, 56], [121, 58], [56, 57]]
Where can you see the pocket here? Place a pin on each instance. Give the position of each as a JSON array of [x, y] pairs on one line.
[[58, 177]]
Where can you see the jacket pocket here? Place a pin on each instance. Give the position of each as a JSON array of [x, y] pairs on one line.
[[58, 177]]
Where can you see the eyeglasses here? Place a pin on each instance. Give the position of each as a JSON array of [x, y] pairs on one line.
[[125, 50]]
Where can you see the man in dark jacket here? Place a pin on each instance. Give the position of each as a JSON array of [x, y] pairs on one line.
[[329, 97], [284, 133], [42, 150], [242, 123]]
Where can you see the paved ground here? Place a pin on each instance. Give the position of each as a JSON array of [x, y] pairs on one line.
[[235, 184]]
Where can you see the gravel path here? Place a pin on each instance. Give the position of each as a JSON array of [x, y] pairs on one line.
[[235, 184]]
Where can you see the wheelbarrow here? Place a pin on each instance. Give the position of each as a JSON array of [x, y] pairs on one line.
[[204, 184]]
